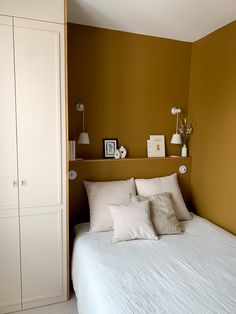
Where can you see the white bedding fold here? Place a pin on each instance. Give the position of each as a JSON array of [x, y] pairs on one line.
[[194, 272]]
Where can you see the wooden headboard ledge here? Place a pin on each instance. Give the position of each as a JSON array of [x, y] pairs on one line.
[[121, 169]]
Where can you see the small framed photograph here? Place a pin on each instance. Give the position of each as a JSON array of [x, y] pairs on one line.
[[109, 147], [156, 146]]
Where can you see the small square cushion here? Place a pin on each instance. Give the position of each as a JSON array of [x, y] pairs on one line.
[[169, 184], [100, 195], [132, 221], [162, 213]]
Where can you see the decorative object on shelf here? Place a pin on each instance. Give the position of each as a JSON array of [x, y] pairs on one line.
[[83, 137], [117, 154], [174, 156], [184, 151], [156, 146], [176, 137], [123, 152], [71, 150], [185, 129], [109, 147]]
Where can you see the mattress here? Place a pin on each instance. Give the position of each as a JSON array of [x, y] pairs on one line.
[[194, 272]]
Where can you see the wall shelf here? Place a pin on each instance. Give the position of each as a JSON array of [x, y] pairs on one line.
[[130, 159]]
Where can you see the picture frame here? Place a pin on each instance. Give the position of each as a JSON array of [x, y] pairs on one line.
[[109, 147], [156, 146]]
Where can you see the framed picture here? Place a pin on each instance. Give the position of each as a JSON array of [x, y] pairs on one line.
[[109, 147], [156, 146]]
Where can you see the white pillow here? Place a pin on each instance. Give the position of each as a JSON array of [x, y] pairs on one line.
[[169, 184], [132, 221], [100, 195], [162, 213]]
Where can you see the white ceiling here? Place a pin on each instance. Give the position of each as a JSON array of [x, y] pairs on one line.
[[186, 20]]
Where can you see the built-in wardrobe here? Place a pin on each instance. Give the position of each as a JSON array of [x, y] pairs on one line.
[[33, 223]]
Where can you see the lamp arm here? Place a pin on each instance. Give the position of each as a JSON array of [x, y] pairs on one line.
[[177, 123], [83, 121]]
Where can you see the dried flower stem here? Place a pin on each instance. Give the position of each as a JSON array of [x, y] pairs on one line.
[[185, 129]]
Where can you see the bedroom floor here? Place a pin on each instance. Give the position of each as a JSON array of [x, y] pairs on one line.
[[68, 307]]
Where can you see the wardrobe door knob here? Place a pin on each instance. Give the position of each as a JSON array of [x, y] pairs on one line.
[[23, 182], [15, 183]]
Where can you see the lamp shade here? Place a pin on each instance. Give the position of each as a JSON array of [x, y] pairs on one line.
[[176, 139], [84, 138]]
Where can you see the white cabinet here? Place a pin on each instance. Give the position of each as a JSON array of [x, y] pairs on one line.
[[33, 261]]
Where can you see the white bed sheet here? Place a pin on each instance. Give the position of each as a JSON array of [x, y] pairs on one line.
[[190, 273]]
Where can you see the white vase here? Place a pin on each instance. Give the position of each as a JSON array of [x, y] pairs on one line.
[[123, 152], [117, 154], [184, 151]]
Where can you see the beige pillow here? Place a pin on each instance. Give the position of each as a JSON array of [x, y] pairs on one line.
[[169, 184], [132, 222], [100, 195], [162, 213]]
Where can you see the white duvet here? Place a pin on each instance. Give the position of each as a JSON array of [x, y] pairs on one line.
[[190, 273]]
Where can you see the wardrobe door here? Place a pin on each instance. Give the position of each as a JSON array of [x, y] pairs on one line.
[[37, 57], [40, 104], [10, 287]]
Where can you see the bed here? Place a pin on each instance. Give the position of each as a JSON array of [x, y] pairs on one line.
[[194, 272]]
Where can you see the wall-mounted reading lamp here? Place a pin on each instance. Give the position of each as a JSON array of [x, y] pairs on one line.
[[83, 137], [176, 138]]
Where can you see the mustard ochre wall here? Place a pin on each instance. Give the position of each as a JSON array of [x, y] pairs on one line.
[[128, 84], [213, 144]]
